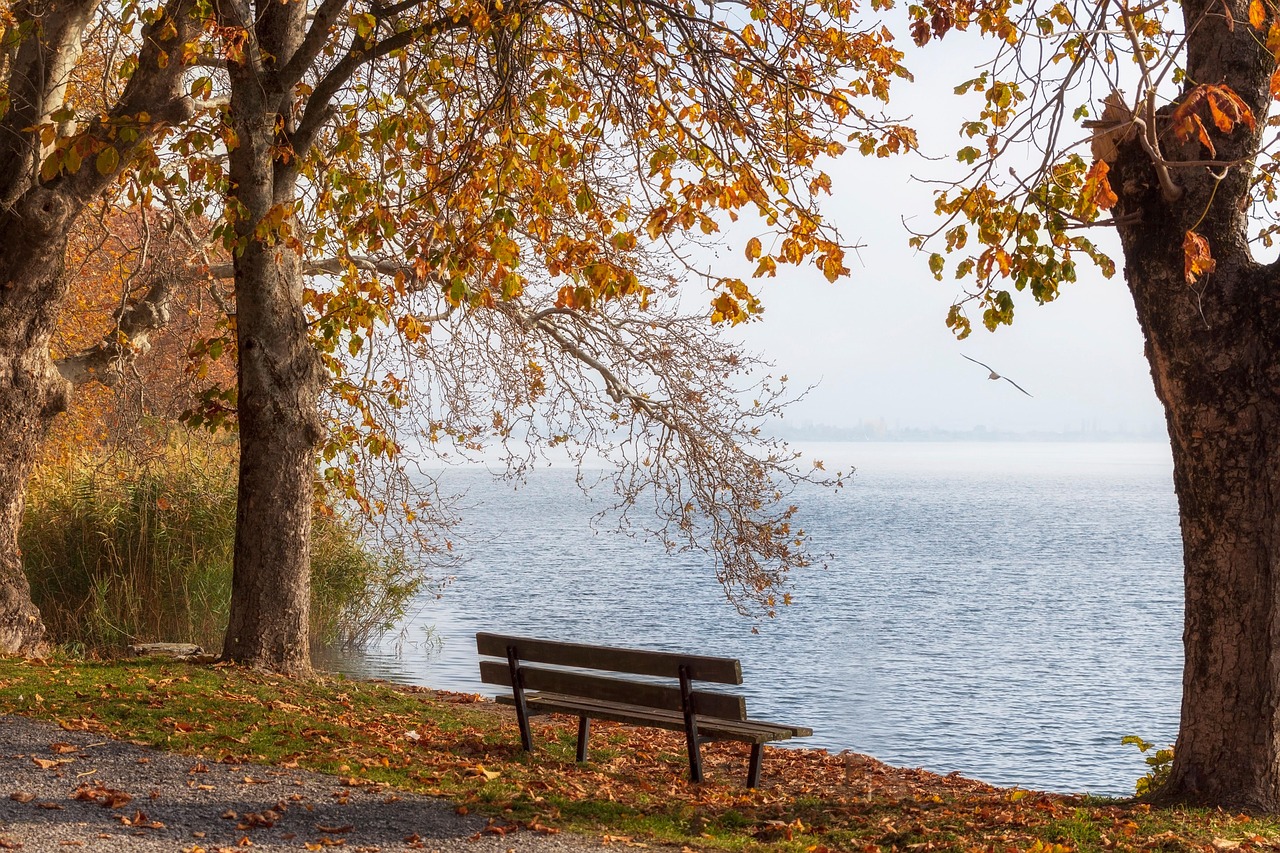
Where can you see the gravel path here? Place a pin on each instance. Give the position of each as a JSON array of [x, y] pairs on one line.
[[64, 791]]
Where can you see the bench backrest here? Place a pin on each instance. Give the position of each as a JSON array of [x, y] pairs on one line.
[[667, 665]]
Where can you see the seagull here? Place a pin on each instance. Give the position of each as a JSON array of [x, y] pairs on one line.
[[995, 375]]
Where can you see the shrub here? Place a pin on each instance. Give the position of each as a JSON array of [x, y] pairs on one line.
[[1160, 761]]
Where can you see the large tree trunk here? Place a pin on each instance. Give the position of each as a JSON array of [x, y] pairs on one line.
[[32, 392], [1213, 345], [35, 219], [280, 373]]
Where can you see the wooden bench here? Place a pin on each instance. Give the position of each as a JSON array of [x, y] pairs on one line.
[[675, 704]]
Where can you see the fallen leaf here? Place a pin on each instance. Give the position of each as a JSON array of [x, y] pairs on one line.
[[346, 827], [140, 820], [259, 820], [22, 797], [62, 748], [108, 798]]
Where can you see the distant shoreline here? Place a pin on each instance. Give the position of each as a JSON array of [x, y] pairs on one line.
[[879, 432]]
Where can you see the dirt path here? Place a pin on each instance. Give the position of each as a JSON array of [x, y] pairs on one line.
[[64, 791]]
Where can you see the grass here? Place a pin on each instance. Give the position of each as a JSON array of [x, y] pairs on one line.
[[634, 787]]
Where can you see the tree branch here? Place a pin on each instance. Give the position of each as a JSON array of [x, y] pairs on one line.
[[317, 109], [129, 340]]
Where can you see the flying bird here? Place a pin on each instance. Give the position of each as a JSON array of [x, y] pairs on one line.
[[995, 375]]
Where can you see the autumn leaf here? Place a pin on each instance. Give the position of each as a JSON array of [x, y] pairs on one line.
[[1097, 188], [1257, 14], [1197, 260], [1226, 108], [108, 160], [108, 798]]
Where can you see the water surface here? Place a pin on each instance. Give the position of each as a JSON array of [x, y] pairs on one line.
[[1009, 611]]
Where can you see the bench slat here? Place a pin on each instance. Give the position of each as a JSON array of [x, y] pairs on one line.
[[615, 690], [748, 731], [638, 661]]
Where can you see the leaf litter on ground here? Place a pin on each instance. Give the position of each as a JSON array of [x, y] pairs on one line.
[[633, 791]]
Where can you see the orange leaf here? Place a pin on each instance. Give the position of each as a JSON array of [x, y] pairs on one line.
[[1257, 14], [1196, 258], [1204, 135], [1097, 189]]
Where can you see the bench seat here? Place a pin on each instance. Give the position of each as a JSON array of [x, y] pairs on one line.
[[747, 731]]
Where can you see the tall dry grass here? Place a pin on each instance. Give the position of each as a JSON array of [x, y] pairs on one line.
[[121, 549]]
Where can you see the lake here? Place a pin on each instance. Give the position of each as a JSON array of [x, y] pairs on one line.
[[1006, 610]]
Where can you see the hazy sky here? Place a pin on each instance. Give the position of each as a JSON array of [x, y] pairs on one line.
[[877, 344]]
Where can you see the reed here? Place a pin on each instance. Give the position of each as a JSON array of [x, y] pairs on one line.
[[122, 549]]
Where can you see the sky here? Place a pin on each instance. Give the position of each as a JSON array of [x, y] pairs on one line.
[[876, 345]]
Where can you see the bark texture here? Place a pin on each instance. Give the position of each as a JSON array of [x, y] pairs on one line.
[[280, 372], [32, 392], [1213, 346], [35, 219]]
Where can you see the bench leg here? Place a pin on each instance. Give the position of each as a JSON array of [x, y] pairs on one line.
[[690, 724], [584, 732], [753, 769], [526, 731], [695, 758], [517, 692]]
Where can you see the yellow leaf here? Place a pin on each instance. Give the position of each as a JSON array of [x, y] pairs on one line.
[[753, 248], [108, 159]]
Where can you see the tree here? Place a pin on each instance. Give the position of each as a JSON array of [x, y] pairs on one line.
[[581, 141], [1183, 170], [43, 190], [517, 167]]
